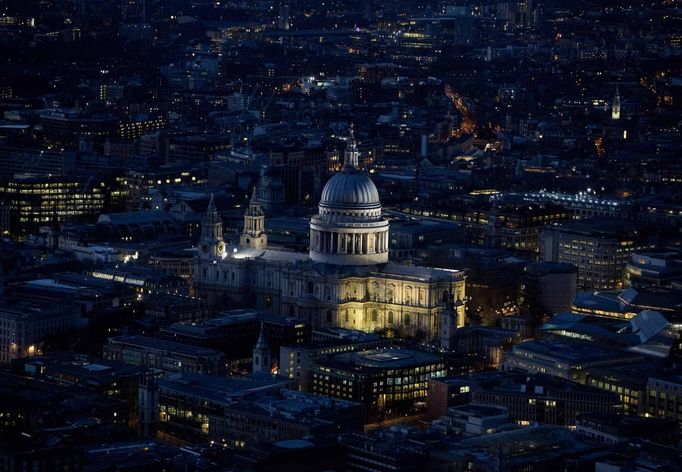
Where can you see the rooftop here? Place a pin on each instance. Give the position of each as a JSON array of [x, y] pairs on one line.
[[223, 390], [568, 351], [227, 319], [163, 345], [386, 358], [598, 227]]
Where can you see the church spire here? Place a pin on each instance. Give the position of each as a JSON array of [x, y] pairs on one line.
[[212, 215], [262, 354]]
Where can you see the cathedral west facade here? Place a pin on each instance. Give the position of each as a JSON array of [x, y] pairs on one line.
[[344, 281]]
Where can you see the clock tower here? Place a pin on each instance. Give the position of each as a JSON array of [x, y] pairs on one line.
[[253, 236], [211, 244]]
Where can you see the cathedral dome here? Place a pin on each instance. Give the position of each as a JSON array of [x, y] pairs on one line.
[[349, 228], [350, 189]]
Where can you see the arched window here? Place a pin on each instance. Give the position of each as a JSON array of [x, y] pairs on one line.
[[311, 287], [390, 317], [375, 316], [292, 310], [329, 316], [346, 315], [408, 319]]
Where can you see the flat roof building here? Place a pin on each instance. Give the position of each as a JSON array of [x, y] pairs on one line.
[[24, 324], [170, 356], [236, 332], [565, 359], [388, 381], [599, 248], [187, 402]]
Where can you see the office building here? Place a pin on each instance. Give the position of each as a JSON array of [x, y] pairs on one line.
[[599, 248], [616, 429], [388, 382], [296, 359], [285, 415], [24, 324], [473, 420], [235, 333], [96, 297], [67, 127], [444, 393], [657, 268], [565, 359], [627, 303], [540, 398], [35, 201], [547, 288], [188, 403], [170, 356], [664, 396]]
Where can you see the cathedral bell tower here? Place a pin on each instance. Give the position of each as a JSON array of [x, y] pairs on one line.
[[253, 236], [211, 244]]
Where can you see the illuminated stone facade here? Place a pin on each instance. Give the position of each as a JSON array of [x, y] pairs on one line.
[[345, 280]]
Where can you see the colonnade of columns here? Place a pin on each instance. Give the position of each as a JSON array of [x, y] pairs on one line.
[[331, 242]]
